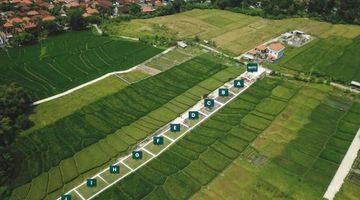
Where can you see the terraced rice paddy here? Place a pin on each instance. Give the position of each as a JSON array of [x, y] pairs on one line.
[[172, 58], [194, 162], [68, 60], [110, 126]]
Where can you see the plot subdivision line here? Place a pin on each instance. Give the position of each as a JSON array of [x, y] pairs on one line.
[[78, 193], [149, 152], [169, 135], [168, 138], [102, 178], [131, 169]]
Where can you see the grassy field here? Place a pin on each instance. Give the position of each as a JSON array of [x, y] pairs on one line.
[[197, 162], [331, 54], [232, 32], [67, 60], [350, 190], [56, 109], [303, 148], [178, 88]]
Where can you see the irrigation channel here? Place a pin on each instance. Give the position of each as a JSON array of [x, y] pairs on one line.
[[167, 135]]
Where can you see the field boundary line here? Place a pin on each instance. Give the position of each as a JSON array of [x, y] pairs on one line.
[[99, 175], [101, 78], [198, 106], [344, 168], [78, 193]]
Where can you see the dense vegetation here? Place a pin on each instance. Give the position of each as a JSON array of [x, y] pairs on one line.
[[68, 60], [14, 110], [43, 148], [336, 11]]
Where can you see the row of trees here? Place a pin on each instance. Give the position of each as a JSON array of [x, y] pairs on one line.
[[336, 11], [15, 106]]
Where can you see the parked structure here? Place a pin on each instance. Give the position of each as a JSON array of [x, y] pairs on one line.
[[182, 44], [295, 38], [275, 51]]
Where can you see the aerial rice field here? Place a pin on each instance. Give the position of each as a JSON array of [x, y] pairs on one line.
[[351, 187], [194, 164], [91, 141], [332, 54], [303, 148], [332, 57], [68, 60]]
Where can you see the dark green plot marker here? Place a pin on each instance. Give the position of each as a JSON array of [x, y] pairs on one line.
[[66, 197], [193, 115], [174, 127], [91, 182], [159, 140], [223, 92], [137, 155], [252, 67], [114, 169], [239, 83], [209, 103]]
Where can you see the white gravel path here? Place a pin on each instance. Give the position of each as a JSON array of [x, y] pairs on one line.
[[344, 168]]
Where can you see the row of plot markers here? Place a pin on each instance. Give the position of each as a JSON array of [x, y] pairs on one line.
[[152, 147]]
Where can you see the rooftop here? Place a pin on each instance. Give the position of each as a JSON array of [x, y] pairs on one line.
[[277, 46]]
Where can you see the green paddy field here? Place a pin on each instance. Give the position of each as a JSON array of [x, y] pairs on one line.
[[281, 139], [68, 60]]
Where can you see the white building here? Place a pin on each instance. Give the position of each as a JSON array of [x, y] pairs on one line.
[[275, 51]]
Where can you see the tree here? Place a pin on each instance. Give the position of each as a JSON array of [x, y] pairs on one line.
[[24, 38], [14, 101], [7, 134], [75, 19], [15, 105], [49, 26], [135, 9], [177, 5]]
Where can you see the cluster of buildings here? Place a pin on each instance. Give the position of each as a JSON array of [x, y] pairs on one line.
[[270, 52], [26, 15], [275, 49], [295, 38]]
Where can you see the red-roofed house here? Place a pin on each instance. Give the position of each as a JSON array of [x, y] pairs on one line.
[[251, 52], [27, 2], [32, 13], [26, 19], [48, 18], [8, 25], [105, 3], [276, 50], [261, 48], [16, 20], [91, 10], [30, 25], [146, 9], [158, 3]]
